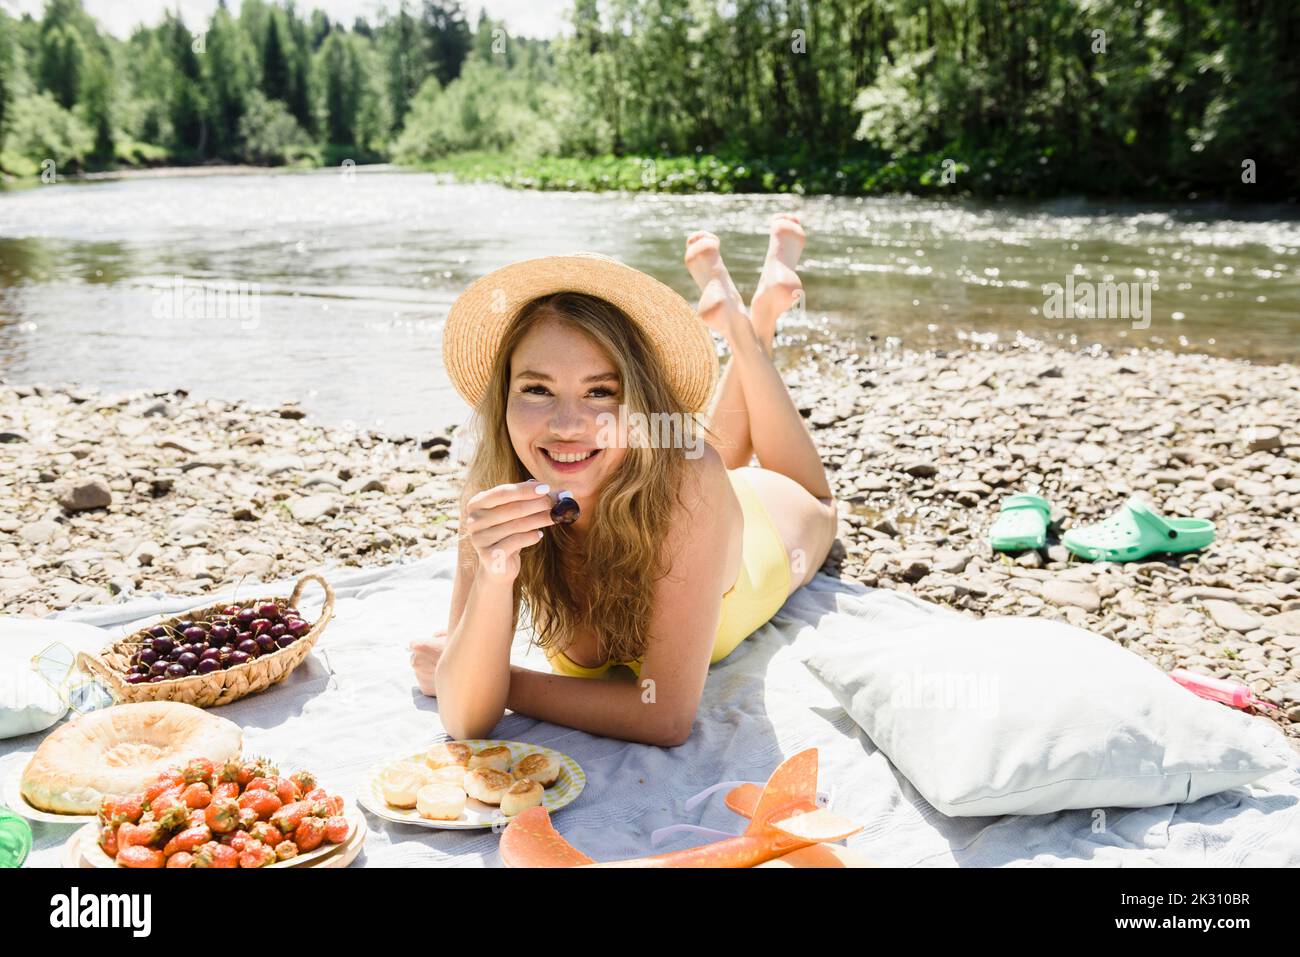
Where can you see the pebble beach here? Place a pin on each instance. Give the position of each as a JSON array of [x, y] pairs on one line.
[[105, 497]]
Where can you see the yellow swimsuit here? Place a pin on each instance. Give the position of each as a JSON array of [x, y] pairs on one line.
[[761, 589]]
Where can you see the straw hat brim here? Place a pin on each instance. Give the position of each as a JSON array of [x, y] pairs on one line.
[[481, 314]]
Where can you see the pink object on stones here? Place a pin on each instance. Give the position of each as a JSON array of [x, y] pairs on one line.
[[1216, 689]]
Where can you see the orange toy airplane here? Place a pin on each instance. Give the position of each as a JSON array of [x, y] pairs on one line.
[[784, 817]]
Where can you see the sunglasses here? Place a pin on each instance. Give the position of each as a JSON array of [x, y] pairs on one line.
[[57, 666]]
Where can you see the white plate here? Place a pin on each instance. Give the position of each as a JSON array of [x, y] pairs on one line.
[[94, 854], [566, 788], [13, 796]]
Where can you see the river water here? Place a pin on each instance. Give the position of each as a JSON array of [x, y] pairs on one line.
[[347, 278]]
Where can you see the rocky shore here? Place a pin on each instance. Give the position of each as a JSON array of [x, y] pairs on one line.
[[107, 497], [103, 497]]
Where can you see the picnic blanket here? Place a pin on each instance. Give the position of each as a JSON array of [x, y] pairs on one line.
[[354, 701]]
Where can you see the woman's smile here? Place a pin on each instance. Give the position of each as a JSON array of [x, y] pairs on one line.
[[569, 461]]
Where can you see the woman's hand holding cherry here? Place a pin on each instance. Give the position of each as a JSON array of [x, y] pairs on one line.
[[503, 520]]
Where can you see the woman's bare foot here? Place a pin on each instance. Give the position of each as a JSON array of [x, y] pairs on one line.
[[721, 306], [778, 286]]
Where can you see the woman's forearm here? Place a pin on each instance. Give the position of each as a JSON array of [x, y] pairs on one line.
[[473, 673], [612, 708]]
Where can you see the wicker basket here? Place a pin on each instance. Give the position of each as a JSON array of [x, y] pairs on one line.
[[218, 687]]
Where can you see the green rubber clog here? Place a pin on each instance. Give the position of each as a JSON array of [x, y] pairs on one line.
[[1021, 524], [1136, 531]]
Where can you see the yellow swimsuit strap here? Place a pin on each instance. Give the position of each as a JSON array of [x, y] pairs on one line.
[[563, 664]]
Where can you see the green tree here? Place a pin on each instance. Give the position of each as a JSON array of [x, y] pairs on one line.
[[485, 108], [482, 47], [63, 59], [446, 38], [269, 132], [41, 130], [228, 70], [97, 108], [1157, 97], [339, 67], [188, 111], [300, 73], [146, 113], [320, 28], [398, 37], [8, 66], [275, 63]]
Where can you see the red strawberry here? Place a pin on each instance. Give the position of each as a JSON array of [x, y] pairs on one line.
[[263, 803], [196, 795], [309, 834], [108, 840], [213, 854], [188, 840], [222, 815], [199, 770], [287, 791], [287, 818], [138, 856], [336, 829], [256, 854]]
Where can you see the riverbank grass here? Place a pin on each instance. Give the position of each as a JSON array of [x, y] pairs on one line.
[[953, 172]]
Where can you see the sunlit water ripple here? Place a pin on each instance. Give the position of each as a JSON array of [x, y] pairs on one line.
[[354, 276]]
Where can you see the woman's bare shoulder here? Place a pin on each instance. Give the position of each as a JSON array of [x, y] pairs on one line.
[[709, 474], [704, 537], [706, 498]]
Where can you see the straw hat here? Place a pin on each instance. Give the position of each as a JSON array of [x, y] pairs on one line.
[[479, 317]]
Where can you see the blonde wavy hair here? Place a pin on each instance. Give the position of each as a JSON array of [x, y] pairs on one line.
[[607, 584]]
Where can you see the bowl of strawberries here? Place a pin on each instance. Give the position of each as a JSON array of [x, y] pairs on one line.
[[243, 813]]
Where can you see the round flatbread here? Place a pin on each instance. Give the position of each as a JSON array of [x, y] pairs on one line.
[[497, 757], [521, 796], [487, 785], [440, 802], [119, 751], [401, 781], [542, 768]]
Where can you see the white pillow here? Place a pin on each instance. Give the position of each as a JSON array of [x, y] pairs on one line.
[[1030, 716], [27, 703]]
